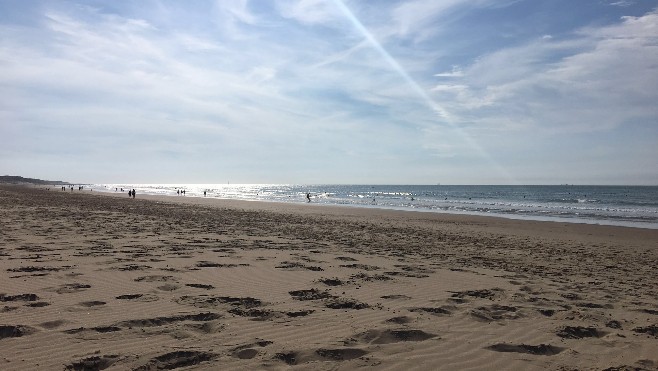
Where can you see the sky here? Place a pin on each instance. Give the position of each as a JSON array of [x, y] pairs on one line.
[[330, 91]]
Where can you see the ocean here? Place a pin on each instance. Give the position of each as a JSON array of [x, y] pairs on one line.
[[633, 206]]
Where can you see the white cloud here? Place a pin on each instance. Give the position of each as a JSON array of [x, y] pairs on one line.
[[416, 16], [602, 78], [422, 19], [310, 11], [456, 72], [623, 3]]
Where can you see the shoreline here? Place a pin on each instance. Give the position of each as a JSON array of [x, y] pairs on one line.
[[497, 222], [512, 216], [87, 277]]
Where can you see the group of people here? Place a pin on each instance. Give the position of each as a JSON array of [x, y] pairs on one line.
[[80, 188], [130, 193]]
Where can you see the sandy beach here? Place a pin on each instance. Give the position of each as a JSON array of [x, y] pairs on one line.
[[91, 282]]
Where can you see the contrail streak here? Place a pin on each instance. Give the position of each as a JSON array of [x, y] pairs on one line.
[[440, 111]]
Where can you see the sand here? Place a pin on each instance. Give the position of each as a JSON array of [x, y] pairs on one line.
[[90, 281]]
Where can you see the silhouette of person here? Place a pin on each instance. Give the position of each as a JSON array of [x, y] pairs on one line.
[[133, 193], [308, 197]]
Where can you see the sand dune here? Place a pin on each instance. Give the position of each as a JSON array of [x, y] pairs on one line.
[[90, 282]]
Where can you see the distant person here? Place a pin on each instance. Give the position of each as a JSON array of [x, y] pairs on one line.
[[308, 197], [130, 193], [204, 193], [178, 192]]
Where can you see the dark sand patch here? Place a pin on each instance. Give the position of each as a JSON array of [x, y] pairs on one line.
[[204, 301], [19, 297], [490, 294], [93, 303], [649, 330], [344, 303], [542, 349], [310, 294], [392, 336], [400, 320], [331, 281], [161, 321], [156, 278], [93, 363], [395, 297], [431, 310], [299, 313], [579, 332], [12, 331], [200, 286], [341, 354], [177, 359]]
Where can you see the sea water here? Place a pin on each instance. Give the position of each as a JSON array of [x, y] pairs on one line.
[[634, 206]]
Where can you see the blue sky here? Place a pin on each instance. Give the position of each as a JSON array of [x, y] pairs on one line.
[[398, 92]]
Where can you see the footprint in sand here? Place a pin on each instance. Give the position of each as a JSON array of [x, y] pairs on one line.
[[389, 336], [331, 281], [490, 294], [579, 332], [323, 354], [401, 320], [177, 359], [200, 286], [248, 351], [542, 349], [53, 324], [15, 331], [496, 312], [139, 297], [93, 363], [93, 303], [438, 311], [156, 278]]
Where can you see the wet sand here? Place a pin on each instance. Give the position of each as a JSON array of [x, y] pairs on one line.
[[90, 281]]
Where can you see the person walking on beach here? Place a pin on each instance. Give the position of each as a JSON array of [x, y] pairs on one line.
[[308, 196], [133, 192]]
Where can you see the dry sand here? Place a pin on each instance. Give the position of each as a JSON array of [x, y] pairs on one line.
[[89, 281]]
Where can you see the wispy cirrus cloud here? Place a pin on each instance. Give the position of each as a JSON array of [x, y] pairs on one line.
[[557, 81]]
